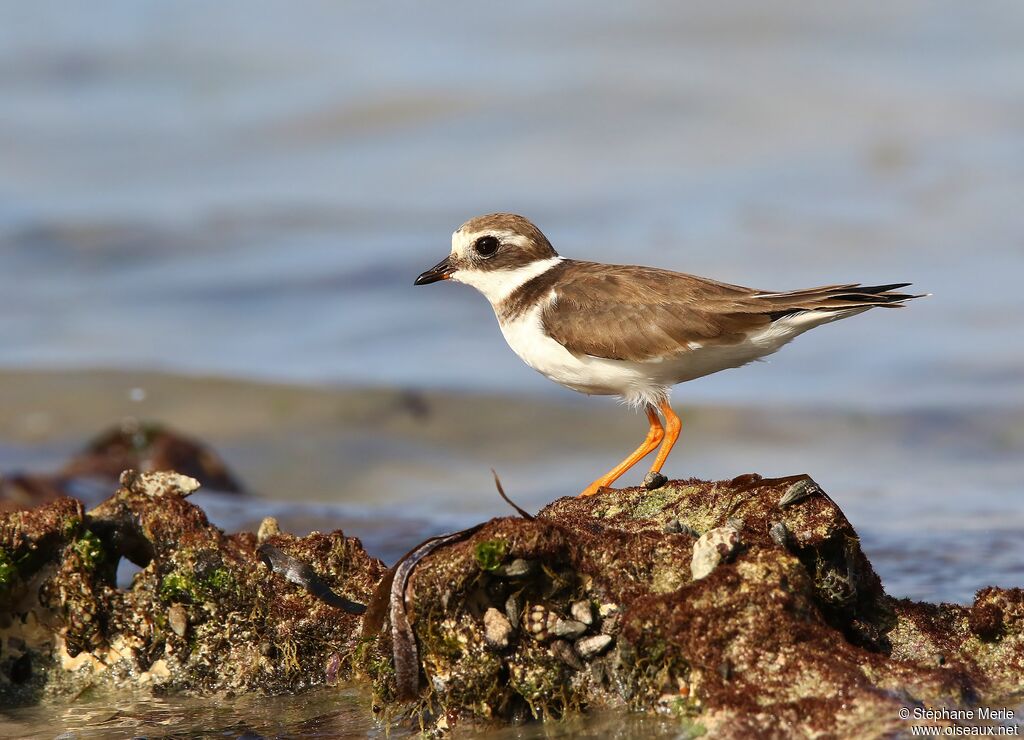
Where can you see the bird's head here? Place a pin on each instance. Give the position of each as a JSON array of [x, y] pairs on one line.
[[495, 254]]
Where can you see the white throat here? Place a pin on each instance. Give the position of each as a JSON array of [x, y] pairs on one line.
[[497, 285]]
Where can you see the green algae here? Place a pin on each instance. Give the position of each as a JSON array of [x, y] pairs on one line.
[[70, 527], [654, 503], [188, 585], [490, 554], [89, 549], [8, 571]]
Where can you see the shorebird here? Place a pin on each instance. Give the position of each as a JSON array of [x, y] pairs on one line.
[[630, 331]]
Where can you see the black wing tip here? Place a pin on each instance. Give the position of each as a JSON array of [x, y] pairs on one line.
[[880, 288], [856, 297], [877, 294]]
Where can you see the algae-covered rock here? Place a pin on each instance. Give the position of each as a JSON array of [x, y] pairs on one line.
[[784, 635], [592, 604], [203, 614]]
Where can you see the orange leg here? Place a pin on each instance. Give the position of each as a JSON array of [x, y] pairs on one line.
[[654, 436], [672, 428]]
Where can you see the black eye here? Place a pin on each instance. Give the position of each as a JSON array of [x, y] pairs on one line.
[[485, 246]]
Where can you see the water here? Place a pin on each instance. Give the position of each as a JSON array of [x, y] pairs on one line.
[[247, 190]]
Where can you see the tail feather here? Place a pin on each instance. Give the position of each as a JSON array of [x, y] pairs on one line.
[[836, 298]]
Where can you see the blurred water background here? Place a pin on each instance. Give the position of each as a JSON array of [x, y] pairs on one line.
[[242, 193]]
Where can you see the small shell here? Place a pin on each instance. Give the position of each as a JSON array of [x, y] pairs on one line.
[[518, 568], [713, 547], [590, 647], [513, 608], [725, 670], [568, 628], [538, 621], [583, 611], [674, 526], [610, 617], [799, 491], [654, 480], [779, 533], [564, 652], [177, 618]]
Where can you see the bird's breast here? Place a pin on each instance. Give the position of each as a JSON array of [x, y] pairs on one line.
[[526, 336]]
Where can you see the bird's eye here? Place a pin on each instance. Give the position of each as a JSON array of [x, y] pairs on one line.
[[486, 246]]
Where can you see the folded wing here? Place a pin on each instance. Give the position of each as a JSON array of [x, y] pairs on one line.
[[626, 312]]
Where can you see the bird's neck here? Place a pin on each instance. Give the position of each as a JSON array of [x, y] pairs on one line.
[[497, 286]]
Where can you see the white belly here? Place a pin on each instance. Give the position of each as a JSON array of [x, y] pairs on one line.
[[593, 375], [645, 382]]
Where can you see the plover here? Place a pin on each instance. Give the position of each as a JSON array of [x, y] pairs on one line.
[[630, 331]]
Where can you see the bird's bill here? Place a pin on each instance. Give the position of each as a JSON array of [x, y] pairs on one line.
[[441, 271]]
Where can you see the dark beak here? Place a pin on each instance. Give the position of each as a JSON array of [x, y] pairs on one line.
[[441, 271]]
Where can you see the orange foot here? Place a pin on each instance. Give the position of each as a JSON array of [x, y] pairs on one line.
[[593, 489], [655, 434]]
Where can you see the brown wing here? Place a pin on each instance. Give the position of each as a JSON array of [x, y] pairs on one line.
[[626, 312]]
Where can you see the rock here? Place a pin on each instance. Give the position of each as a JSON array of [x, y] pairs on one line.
[[713, 547], [268, 528], [497, 629], [195, 615], [799, 641], [744, 646], [583, 612], [150, 447], [591, 647]]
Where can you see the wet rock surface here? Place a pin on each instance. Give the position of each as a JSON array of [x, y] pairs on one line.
[[592, 604]]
